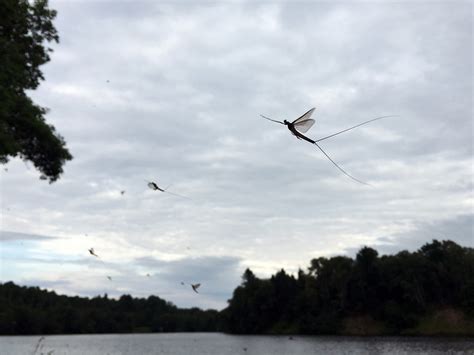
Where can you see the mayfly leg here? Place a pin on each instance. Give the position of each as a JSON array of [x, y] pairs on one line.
[[270, 119]]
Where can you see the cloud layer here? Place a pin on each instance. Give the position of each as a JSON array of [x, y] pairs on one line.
[[173, 92]]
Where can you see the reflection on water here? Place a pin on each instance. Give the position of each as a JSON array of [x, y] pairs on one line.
[[222, 344]]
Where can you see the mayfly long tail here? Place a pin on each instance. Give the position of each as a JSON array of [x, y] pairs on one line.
[[341, 169], [348, 129], [171, 193]]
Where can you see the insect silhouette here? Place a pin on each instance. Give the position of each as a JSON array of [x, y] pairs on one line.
[[154, 186], [38, 345], [92, 252], [195, 287], [305, 122]]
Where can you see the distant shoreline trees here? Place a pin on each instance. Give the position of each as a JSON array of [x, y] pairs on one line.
[[427, 292], [30, 310]]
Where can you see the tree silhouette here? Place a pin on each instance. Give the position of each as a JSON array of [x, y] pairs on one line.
[[24, 28], [391, 293], [30, 310]]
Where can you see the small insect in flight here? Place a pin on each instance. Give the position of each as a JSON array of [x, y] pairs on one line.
[[152, 185], [195, 287], [109, 277], [92, 252], [38, 344], [305, 122]]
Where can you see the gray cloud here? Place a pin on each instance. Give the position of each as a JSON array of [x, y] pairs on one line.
[[187, 82], [15, 236], [218, 277], [459, 229]]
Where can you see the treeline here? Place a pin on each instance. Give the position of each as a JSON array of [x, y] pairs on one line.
[[430, 291], [30, 310]]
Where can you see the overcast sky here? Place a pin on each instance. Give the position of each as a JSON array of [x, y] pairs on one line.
[[172, 92]]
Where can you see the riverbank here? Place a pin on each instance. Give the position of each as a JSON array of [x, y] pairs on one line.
[[444, 322]]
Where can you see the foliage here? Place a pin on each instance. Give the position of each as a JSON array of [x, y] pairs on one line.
[[30, 310], [370, 294], [430, 291], [24, 27]]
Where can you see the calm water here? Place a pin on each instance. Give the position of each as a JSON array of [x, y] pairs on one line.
[[221, 344]]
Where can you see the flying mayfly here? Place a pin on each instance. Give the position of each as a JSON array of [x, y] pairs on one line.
[[92, 252], [305, 122], [195, 287], [152, 185]]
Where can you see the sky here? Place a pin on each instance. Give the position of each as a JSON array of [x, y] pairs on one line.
[[171, 92]]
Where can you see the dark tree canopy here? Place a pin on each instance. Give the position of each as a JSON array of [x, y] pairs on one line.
[[30, 310], [24, 29], [426, 292], [430, 291]]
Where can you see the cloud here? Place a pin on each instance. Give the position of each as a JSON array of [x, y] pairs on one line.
[[172, 93], [6, 236], [217, 276], [459, 229]]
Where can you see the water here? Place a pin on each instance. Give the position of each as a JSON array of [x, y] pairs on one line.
[[222, 344]]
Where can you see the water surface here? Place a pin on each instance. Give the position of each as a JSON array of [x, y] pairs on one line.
[[223, 344]]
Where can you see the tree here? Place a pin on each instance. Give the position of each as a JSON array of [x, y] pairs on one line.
[[30, 310], [24, 28]]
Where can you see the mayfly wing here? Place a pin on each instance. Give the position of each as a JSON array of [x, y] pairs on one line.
[[149, 183], [305, 116], [304, 126]]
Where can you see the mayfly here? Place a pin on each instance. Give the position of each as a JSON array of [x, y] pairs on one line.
[[305, 122], [195, 287], [38, 344], [92, 252], [152, 185]]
